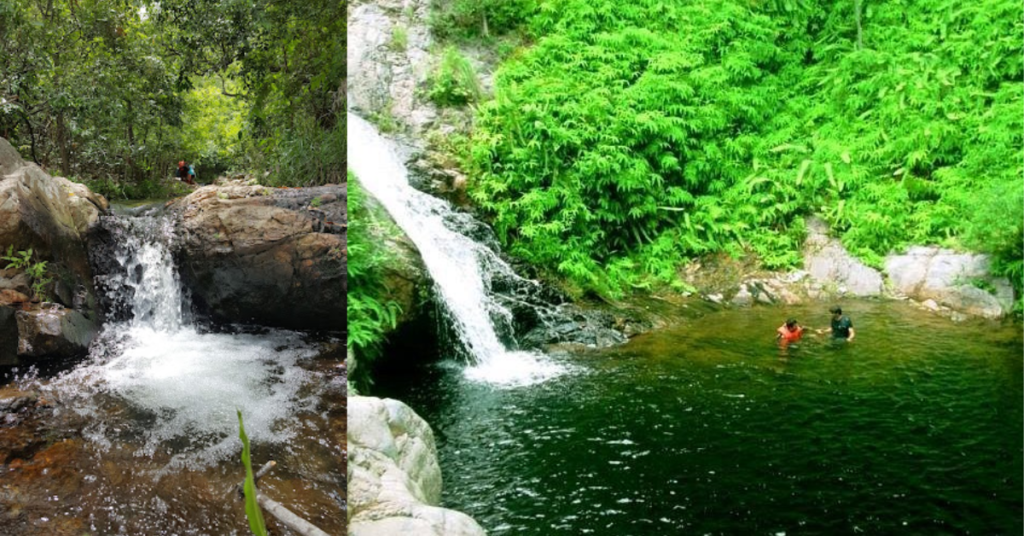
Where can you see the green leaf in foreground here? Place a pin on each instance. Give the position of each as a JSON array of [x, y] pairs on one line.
[[252, 509]]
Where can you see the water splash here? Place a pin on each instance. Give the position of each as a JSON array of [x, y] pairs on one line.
[[179, 386], [462, 269]]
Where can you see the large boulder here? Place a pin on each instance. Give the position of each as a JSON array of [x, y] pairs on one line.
[[264, 255], [826, 260], [52, 216], [394, 481], [53, 330], [950, 279]]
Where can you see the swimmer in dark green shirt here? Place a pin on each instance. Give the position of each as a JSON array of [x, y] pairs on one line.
[[842, 326]]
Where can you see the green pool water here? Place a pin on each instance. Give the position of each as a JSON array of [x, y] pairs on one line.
[[710, 428]]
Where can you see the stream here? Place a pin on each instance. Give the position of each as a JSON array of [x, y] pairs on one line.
[[142, 437], [709, 427]]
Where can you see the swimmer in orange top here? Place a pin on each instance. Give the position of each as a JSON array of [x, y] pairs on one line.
[[789, 332]]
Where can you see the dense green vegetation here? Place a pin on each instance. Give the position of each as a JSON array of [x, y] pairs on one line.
[[631, 136], [370, 313], [116, 93]]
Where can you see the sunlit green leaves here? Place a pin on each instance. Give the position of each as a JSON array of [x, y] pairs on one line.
[[691, 128]]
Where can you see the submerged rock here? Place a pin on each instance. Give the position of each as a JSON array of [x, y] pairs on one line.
[[394, 480], [270, 256]]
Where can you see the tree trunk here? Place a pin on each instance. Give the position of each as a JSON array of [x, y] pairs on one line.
[[31, 136], [62, 142], [130, 161]]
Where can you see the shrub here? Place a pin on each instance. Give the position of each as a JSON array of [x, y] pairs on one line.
[[369, 314], [454, 81], [399, 38], [632, 136], [466, 19]]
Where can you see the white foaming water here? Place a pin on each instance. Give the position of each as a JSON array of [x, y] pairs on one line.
[[458, 265], [183, 387]]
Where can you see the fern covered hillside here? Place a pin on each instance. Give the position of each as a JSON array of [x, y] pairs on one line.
[[627, 137]]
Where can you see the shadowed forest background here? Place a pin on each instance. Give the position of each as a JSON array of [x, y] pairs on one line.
[[115, 93]]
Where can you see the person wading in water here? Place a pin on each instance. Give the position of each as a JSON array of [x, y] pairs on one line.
[[789, 332], [842, 326]]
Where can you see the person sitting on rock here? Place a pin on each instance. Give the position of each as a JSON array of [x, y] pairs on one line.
[[789, 332], [842, 326]]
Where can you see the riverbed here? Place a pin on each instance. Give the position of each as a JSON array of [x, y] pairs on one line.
[[710, 427]]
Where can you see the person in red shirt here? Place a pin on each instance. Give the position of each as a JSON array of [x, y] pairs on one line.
[[789, 332]]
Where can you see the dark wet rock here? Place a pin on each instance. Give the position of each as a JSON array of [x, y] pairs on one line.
[[268, 256], [15, 400], [53, 331], [8, 336], [569, 324], [15, 280]]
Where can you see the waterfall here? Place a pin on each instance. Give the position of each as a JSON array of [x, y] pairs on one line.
[[182, 384], [461, 268], [144, 285]]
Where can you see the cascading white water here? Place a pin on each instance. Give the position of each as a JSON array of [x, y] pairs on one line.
[[184, 385], [459, 266]]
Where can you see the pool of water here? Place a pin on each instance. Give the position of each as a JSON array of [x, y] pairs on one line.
[[143, 438], [709, 427]]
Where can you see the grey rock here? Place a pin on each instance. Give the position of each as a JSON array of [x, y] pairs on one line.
[[826, 260], [53, 331], [52, 216], [947, 278], [394, 480], [382, 79], [743, 297]]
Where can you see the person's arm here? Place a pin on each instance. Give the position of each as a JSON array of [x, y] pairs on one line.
[[852, 334]]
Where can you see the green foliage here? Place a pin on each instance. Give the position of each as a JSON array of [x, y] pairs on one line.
[[633, 136], [122, 91], [212, 122], [22, 260], [252, 508], [305, 155], [315, 202], [464, 19], [86, 89], [112, 188], [370, 314], [454, 81], [399, 38]]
